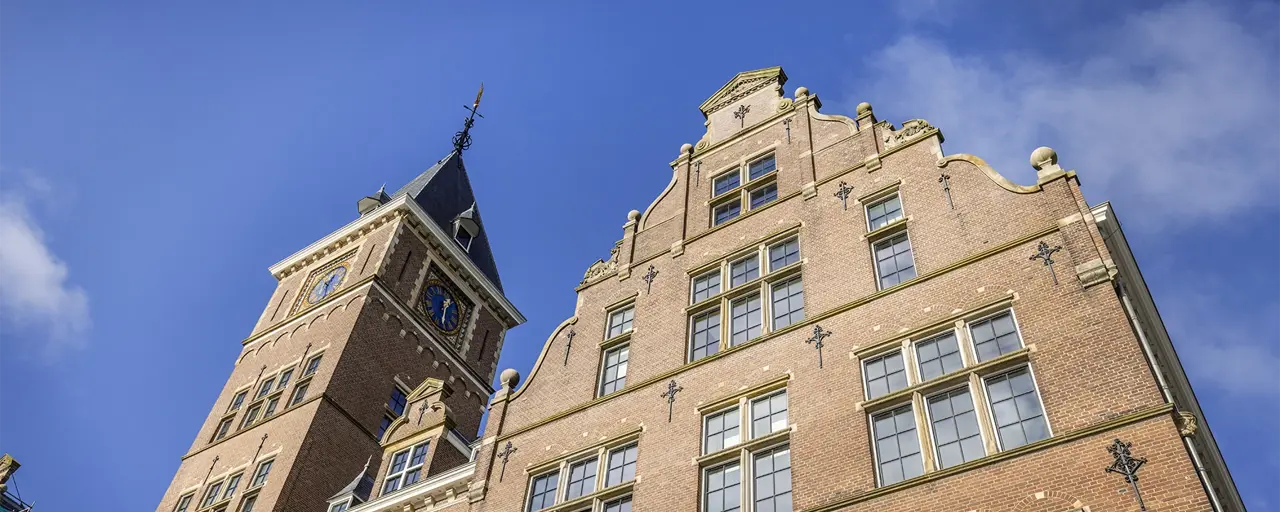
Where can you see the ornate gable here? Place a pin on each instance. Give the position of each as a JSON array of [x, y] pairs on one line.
[[742, 85]]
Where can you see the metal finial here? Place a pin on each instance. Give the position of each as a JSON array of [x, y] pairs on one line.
[[462, 139]]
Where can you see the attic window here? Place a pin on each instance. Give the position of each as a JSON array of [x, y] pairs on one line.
[[463, 237], [466, 227]]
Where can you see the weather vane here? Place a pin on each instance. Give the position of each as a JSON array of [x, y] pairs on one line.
[[462, 139]]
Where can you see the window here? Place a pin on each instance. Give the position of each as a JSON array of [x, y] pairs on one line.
[[955, 428], [582, 479], [746, 319], [788, 303], [769, 414], [885, 374], [622, 504], [1016, 409], [237, 401], [232, 484], [405, 469], [727, 182], [284, 379], [897, 448], [720, 431], [706, 335], [251, 416], [464, 238], [340, 506], [211, 494], [260, 476], [383, 425], [761, 196], [744, 270], [705, 286], [183, 503], [772, 473], [300, 393], [265, 387], [881, 213], [622, 465], [721, 488], [271, 406], [397, 401], [783, 254], [312, 366], [543, 491], [939, 356], [727, 212], [761, 167], [995, 336], [894, 263], [620, 321], [224, 426], [614, 376], [247, 504]]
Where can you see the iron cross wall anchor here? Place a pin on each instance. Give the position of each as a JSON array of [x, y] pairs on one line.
[[568, 344], [1126, 464], [945, 180], [648, 279], [787, 122], [1044, 252], [697, 173], [504, 455], [741, 115], [670, 395], [843, 193], [816, 340]]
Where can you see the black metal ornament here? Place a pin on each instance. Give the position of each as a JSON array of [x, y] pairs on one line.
[[697, 173], [505, 454], [816, 340], [787, 123], [462, 139], [1044, 252], [1126, 464], [843, 193], [741, 115], [648, 278], [568, 344], [670, 395], [945, 180]]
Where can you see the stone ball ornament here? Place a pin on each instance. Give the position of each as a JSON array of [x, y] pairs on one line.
[[633, 215], [1043, 156], [864, 107], [510, 378], [686, 148], [802, 91]]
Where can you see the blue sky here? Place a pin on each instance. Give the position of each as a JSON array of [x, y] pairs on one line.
[[156, 158]]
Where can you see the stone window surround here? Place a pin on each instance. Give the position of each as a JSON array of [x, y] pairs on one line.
[[761, 286], [884, 235], [742, 402], [741, 193], [401, 475], [223, 483], [622, 342], [744, 452], [278, 394], [602, 491]]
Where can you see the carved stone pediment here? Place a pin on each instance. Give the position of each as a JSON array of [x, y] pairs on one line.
[[603, 268], [910, 130], [742, 85]]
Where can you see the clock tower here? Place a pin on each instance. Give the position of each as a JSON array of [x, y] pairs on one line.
[[395, 320]]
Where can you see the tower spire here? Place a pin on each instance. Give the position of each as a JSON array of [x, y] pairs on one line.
[[462, 139]]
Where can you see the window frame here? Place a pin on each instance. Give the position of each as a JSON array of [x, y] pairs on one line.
[[1035, 388], [184, 502], [907, 373], [718, 313], [933, 436], [933, 338], [604, 368], [910, 406], [258, 474], [878, 199], [630, 324], [601, 490], [888, 238], [750, 443], [973, 343], [773, 300], [238, 399], [743, 188], [312, 365], [400, 476], [704, 276]]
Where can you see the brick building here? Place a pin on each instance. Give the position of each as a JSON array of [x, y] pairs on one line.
[[818, 313]]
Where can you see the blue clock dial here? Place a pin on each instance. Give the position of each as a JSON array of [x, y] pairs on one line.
[[327, 284], [442, 307]]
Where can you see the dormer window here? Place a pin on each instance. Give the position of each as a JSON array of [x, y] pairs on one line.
[[463, 238], [466, 227]]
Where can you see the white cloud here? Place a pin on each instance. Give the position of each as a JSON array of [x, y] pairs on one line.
[[1174, 111], [1232, 348], [36, 296]]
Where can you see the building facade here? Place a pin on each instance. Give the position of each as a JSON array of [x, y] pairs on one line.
[[817, 313]]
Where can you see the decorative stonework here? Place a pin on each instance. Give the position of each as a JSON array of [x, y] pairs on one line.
[[1186, 424], [910, 130], [1095, 271], [743, 85], [603, 268]]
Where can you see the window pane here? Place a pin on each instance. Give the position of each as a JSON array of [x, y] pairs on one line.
[[620, 321], [619, 505], [727, 211], [543, 492], [746, 319], [761, 167], [764, 195], [706, 335], [383, 425], [312, 366], [995, 336], [721, 488], [264, 469], [784, 254], [397, 401], [882, 213], [721, 431], [894, 262], [299, 393], [265, 387], [248, 503], [238, 400], [769, 414], [939, 356], [744, 270], [955, 428], [897, 447], [622, 465], [705, 286], [788, 303], [885, 374], [614, 376], [727, 182], [773, 480], [1015, 407], [582, 478], [183, 503], [284, 379]]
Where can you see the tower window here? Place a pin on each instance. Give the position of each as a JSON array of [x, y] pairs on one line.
[[397, 402], [312, 366], [260, 476], [463, 238], [620, 321]]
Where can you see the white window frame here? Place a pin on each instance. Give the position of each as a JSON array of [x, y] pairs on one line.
[[622, 311], [973, 343], [875, 262], [625, 365], [902, 210], [400, 476], [1035, 384], [977, 408], [906, 362]]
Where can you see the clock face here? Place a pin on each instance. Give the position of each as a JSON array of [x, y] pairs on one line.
[[327, 284], [442, 307]]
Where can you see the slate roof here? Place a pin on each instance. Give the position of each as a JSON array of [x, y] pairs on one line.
[[444, 192]]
